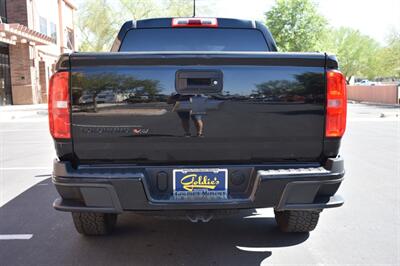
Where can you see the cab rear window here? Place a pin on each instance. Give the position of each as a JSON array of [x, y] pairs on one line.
[[194, 39]]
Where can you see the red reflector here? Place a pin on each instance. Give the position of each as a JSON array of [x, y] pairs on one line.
[[336, 105], [194, 22], [58, 103]]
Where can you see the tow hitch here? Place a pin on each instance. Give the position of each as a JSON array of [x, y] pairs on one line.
[[195, 217]]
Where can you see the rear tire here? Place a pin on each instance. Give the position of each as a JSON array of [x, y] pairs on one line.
[[94, 224], [297, 221]]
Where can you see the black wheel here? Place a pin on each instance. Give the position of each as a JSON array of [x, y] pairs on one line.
[[94, 224], [297, 221]]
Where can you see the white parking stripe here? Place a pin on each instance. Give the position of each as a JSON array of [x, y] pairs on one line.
[[25, 168], [23, 129], [16, 237], [371, 119]]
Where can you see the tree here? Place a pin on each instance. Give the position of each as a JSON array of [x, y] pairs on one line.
[[390, 56], [97, 25], [295, 25], [138, 9], [357, 53], [99, 20], [179, 8]]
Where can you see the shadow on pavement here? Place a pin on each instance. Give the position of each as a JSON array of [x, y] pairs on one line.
[[138, 240]]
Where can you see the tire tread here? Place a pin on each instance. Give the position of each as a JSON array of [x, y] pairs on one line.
[[90, 223], [297, 221]]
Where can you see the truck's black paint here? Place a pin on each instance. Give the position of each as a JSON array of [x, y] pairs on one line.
[[117, 188], [266, 112], [271, 108]]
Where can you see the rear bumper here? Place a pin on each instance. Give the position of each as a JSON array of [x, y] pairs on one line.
[[121, 188]]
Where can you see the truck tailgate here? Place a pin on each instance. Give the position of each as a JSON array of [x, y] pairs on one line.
[[253, 107]]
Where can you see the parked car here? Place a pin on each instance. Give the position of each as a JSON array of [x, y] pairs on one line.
[[243, 126], [366, 82], [104, 96]]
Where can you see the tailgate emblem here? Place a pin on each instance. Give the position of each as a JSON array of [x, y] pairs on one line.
[[140, 131]]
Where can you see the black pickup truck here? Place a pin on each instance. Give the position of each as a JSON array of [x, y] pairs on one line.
[[196, 117]]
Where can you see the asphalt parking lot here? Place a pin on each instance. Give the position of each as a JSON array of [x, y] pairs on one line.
[[365, 231]]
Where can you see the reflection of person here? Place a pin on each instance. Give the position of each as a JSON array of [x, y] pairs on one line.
[[186, 115], [197, 121]]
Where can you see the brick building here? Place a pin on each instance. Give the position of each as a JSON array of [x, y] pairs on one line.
[[33, 33]]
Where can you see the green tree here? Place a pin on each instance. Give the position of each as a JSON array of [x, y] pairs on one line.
[[179, 8], [295, 25], [357, 53], [390, 56], [138, 9], [99, 20], [97, 24]]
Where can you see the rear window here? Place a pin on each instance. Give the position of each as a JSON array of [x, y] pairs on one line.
[[194, 39]]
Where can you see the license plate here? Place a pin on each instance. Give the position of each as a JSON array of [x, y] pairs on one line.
[[200, 184]]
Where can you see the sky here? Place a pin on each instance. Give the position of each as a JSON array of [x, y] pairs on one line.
[[372, 17]]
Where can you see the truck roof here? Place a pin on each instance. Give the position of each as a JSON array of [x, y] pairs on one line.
[[167, 23]]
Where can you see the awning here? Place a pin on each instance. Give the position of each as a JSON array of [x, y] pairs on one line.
[[17, 33]]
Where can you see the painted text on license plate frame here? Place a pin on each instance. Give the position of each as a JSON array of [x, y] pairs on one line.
[[200, 184]]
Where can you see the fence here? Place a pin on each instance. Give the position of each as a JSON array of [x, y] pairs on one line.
[[388, 94]]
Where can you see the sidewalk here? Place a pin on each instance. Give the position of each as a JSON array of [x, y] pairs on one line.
[[29, 113], [30, 107], [372, 112]]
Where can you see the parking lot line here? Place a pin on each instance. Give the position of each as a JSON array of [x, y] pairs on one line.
[[25, 168], [16, 237], [371, 119], [22, 130]]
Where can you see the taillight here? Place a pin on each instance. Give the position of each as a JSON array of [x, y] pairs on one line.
[[59, 106], [336, 104], [195, 22]]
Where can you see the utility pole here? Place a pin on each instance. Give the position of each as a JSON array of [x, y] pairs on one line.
[[194, 8]]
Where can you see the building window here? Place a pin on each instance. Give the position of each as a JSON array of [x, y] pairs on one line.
[[5, 77], [53, 31], [70, 39], [3, 11], [43, 25]]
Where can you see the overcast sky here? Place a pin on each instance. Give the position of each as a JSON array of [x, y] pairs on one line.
[[372, 17]]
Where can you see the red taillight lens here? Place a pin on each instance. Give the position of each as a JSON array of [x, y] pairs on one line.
[[59, 106], [194, 22], [336, 104]]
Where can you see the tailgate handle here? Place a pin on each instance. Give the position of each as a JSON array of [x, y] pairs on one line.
[[189, 82]]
